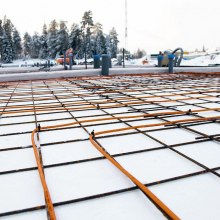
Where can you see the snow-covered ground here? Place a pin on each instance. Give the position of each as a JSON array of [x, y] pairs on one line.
[[200, 60]]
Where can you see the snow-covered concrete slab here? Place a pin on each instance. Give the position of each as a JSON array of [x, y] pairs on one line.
[[126, 206], [68, 152], [174, 136], [17, 159], [62, 135], [157, 165], [192, 198], [20, 191], [128, 143], [84, 179], [11, 141], [207, 153]]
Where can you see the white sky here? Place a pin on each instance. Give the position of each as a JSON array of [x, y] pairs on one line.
[[153, 25]]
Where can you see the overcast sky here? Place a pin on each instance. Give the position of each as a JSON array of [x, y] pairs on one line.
[[153, 25]]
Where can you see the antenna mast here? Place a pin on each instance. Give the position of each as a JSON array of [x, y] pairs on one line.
[[126, 23]]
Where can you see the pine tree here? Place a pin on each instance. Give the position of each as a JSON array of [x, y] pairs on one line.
[[7, 53], [52, 39], [16, 43], [62, 38], [87, 25], [113, 38], [8, 28], [75, 40], [98, 40], [27, 43], [43, 40], [35, 46]]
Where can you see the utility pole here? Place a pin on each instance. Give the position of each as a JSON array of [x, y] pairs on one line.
[[126, 32], [126, 23]]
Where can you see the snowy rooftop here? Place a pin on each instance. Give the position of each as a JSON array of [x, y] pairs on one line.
[[163, 129]]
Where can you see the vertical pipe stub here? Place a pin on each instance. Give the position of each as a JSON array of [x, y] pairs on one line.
[[159, 59], [105, 65], [96, 61], [170, 64]]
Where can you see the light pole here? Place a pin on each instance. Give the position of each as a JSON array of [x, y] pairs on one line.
[[85, 37]]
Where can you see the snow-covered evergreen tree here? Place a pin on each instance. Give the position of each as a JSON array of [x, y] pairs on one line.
[[7, 53], [98, 40], [52, 39], [35, 46], [113, 38], [75, 39], [27, 44], [16, 43], [87, 25], [62, 38], [8, 29], [44, 47]]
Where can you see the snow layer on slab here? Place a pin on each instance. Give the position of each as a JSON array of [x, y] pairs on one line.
[[20, 103], [46, 101], [87, 113], [96, 118], [207, 153], [57, 122], [54, 116], [194, 101], [144, 106], [17, 159], [161, 111], [146, 122], [106, 127], [209, 129], [174, 136], [8, 129], [61, 153], [11, 141], [86, 179], [20, 191], [192, 198], [157, 165], [62, 135], [187, 107], [181, 117], [117, 110], [128, 143], [34, 215], [209, 114], [210, 105], [124, 206], [12, 120], [128, 114]]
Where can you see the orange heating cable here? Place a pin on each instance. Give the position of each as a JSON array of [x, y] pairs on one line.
[[43, 181], [144, 189], [152, 196], [105, 106]]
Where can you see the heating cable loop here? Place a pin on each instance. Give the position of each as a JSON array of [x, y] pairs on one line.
[[143, 188], [43, 109]]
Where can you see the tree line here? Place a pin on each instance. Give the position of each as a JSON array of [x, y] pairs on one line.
[[87, 37]]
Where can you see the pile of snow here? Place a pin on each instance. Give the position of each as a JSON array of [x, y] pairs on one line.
[[206, 60]]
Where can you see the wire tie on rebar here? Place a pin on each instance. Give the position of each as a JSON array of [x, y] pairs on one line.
[[38, 128], [98, 107], [189, 112], [93, 134]]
